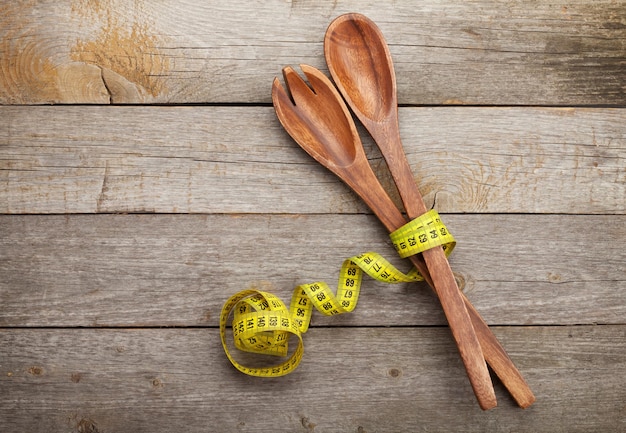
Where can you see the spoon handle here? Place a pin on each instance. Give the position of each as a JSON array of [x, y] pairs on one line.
[[364, 182], [495, 355], [441, 274]]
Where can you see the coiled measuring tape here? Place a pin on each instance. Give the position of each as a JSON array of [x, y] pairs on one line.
[[262, 323]]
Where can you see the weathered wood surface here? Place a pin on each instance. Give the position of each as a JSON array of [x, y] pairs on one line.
[[108, 319], [446, 52], [178, 270], [163, 380], [238, 159]]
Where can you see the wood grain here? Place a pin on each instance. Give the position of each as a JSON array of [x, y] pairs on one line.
[[238, 159], [178, 270], [397, 379], [446, 52], [147, 217]]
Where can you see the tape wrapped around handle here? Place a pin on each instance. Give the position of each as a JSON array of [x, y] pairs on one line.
[[262, 323]]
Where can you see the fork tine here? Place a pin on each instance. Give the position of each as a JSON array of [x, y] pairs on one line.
[[279, 95], [324, 88], [284, 106], [299, 90], [317, 80]]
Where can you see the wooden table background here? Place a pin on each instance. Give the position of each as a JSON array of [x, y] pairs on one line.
[[144, 179]]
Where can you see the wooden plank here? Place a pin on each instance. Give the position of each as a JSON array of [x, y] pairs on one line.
[[396, 379], [446, 52], [239, 159], [178, 270]]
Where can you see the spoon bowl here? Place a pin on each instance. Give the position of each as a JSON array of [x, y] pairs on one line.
[[355, 50]]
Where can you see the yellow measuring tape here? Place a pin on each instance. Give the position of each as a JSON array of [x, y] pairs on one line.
[[262, 323]]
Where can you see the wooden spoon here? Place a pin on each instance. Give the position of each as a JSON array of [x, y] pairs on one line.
[[321, 124], [361, 66]]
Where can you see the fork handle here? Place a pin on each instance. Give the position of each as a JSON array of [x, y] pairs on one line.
[[443, 280], [493, 352], [364, 182], [495, 355], [360, 174]]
